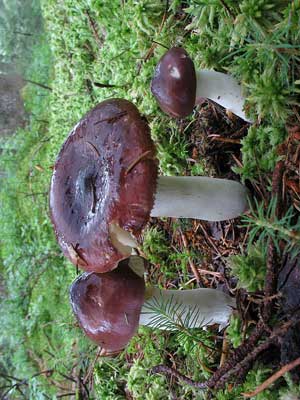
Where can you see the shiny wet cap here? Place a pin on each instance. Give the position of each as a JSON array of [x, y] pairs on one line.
[[108, 306], [103, 183], [174, 83]]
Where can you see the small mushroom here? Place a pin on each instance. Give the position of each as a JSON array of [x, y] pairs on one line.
[[178, 87], [110, 306], [105, 187]]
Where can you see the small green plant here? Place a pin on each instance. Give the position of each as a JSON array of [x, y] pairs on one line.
[[147, 349], [109, 378], [198, 169], [254, 378], [173, 265], [234, 331], [155, 246], [143, 385], [250, 268], [172, 148], [259, 150], [255, 16], [270, 96], [203, 13], [265, 226], [181, 259]]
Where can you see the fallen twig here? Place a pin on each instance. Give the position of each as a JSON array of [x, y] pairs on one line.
[[208, 238], [245, 348], [173, 372], [272, 262], [41, 85], [191, 263], [221, 376], [92, 366], [154, 44], [24, 382], [94, 29], [244, 364], [286, 368], [223, 139], [225, 350]]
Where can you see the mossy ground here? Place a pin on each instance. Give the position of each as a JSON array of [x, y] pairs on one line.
[[91, 50]]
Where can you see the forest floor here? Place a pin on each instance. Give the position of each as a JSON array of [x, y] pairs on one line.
[[110, 49]]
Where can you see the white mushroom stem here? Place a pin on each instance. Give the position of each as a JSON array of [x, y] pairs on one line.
[[189, 308], [222, 89], [204, 198]]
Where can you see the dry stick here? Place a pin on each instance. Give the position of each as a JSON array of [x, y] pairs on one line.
[[218, 138], [94, 30], [244, 364], [60, 396], [140, 158], [225, 350], [173, 372], [41, 85], [271, 277], [191, 263], [272, 273], [25, 382], [10, 377], [239, 354], [222, 381], [208, 238], [286, 368], [227, 9], [92, 366], [93, 148], [82, 390], [245, 348], [218, 275], [23, 33], [239, 164], [154, 44], [69, 378], [241, 366]]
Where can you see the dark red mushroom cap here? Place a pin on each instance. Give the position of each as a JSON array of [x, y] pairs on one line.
[[174, 83], [104, 179], [108, 306]]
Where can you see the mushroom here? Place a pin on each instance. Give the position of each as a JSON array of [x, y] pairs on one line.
[[107, 306], [110, 306], [105, 187], [178, 87]]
